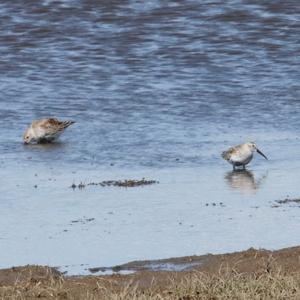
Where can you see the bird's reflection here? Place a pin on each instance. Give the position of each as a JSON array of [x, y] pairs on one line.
[[45, 146], [244, 180]]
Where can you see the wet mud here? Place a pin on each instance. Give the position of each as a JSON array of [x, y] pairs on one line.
[[251, 261]]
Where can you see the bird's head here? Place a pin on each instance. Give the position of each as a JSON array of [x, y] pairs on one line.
[[28, 136], [252, 146]]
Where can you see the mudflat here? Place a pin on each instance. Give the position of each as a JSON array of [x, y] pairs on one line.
[[251, 273]]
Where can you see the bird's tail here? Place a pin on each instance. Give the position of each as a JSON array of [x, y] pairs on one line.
[[225, 155], [66, 124]]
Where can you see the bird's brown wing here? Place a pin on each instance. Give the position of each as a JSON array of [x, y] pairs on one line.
[[227, 154], [53, 126]]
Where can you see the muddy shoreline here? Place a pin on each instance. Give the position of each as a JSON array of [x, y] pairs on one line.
[[143, 273]]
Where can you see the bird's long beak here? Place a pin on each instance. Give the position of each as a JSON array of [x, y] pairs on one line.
[[258, 151]]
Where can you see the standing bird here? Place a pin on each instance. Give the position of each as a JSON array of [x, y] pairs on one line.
[[45, 130], [241, 155]]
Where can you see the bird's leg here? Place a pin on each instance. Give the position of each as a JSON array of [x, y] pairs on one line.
[[244, 167], [233, 167]]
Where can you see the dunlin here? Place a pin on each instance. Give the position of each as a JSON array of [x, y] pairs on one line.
[[241, 155], [45, 130]]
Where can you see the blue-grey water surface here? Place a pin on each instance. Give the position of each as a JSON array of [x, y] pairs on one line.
[[157, 89]]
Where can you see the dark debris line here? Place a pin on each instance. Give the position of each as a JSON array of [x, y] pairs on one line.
[[119, 183], [288, 200], [279, 203]]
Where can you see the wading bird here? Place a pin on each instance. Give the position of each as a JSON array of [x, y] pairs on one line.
[[241, 155], [45, 130]]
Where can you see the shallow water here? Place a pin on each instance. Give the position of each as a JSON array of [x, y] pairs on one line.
[[157, 90]]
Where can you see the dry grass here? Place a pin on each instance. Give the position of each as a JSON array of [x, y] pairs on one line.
[[228, 284]]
